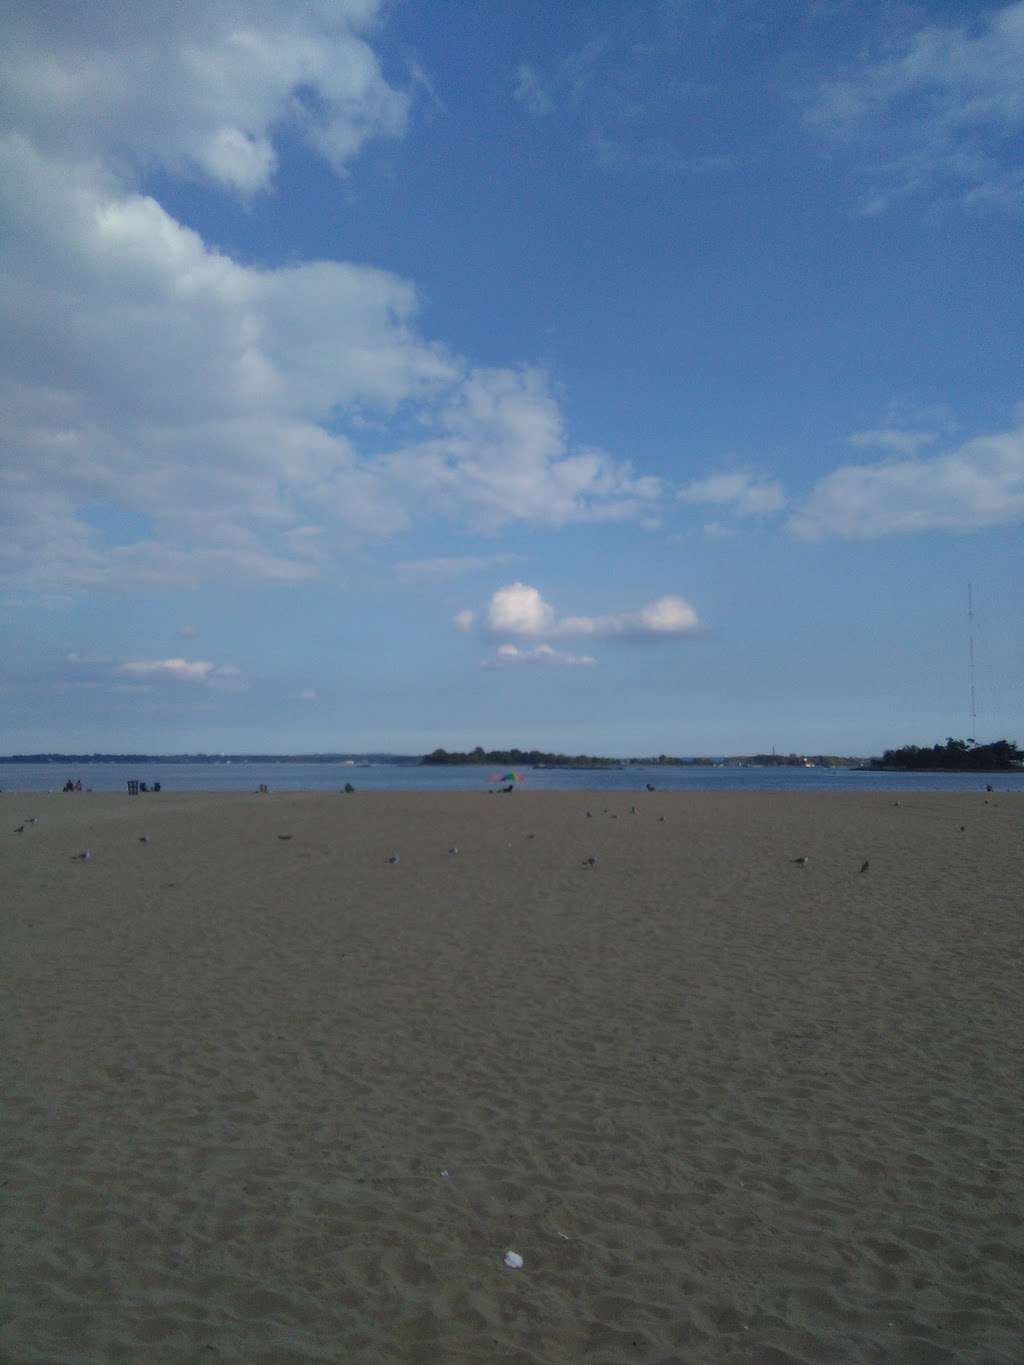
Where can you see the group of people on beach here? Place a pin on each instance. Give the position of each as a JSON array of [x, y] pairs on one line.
[[70, 786]]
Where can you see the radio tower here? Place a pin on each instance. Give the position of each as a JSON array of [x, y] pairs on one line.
[[970, 639]]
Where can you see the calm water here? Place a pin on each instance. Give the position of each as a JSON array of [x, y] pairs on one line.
[[177, 777]]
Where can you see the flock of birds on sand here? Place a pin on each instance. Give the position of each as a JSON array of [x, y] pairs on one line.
[[589, 862]]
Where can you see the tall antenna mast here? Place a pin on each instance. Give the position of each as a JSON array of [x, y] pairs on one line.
[[970, 638]]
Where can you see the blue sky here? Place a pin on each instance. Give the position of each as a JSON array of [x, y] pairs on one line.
[[621, 377]]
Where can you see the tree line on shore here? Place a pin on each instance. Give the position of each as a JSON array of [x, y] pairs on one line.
[[956, 755]]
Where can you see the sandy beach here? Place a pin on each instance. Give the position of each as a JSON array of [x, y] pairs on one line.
[[278, 1099]]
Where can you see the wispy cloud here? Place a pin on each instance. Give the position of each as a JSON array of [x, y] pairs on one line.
[[979, 484], [741, 492], [943, 107], [179, 670], [511, 656], [619, 98], [529, 91], [447, 567], [894, 440]]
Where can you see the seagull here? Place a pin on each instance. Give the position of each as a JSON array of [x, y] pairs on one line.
[[661, 819], [82, 857], [143, 838], [590, 862], [393, 858], [284, 836], [962, 828], [589, 816], [454, 849], [531, 836], [865, 865], [895, 803], [19, 830], [30, 819], [801, 861]]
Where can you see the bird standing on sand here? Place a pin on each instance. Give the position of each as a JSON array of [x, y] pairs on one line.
[[801, 862], [393, 858], [143, 838], [590, 862], [82, 857], [454, 849], [865, 865]]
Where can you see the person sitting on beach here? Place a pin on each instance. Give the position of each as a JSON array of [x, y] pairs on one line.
[[78, 785]]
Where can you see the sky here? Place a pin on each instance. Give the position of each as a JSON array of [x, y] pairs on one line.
[[631, 377]]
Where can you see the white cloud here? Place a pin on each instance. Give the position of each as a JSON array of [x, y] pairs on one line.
[[188, 632], [979, 484], [893, 439], [197, 86], [217, 405], [224, 676], [307, 694], [946, 104], [503, 456], [464, 620], [746, 495], [446, 567], [512, 655], [529, 91], [520, 610]]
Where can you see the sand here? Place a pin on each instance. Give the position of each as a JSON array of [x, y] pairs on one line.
[[282, 1100]]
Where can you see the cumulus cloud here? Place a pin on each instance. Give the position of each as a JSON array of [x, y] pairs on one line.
[[520, 610], [196, 86], [740, 491], [220, 404], [511, 655], [979, 484], [946, 105], [214, 402]]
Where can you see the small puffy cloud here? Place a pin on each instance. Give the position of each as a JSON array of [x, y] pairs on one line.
[[979, 484], [188, 632], [464, 620], [743, 493], [307, 694], [520, 610], [512, 655], [180, 670]]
